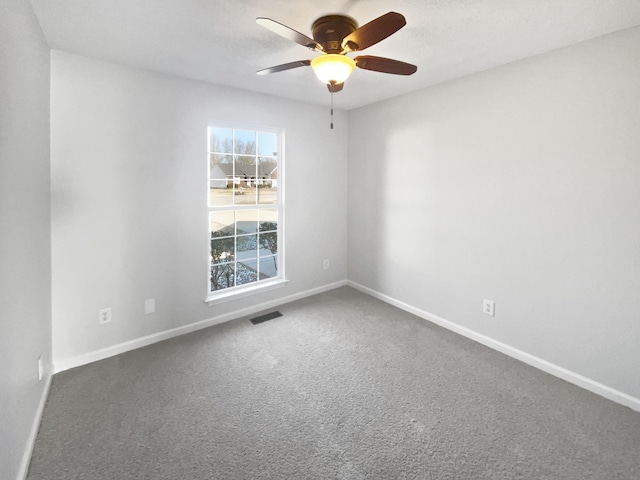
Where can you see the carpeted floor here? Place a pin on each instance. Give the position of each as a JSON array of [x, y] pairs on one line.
[[342, 386]]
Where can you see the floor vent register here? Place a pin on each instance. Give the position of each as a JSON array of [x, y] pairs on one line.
[[265, 317]]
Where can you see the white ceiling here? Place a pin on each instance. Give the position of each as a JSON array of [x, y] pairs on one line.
[[218, 41]]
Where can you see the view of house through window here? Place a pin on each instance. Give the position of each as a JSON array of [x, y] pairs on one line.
[[244, 206]]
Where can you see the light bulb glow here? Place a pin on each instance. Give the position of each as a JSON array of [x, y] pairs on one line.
[[333, 68]]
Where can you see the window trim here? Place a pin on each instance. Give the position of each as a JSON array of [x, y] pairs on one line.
[[241, 291], [246, 290]]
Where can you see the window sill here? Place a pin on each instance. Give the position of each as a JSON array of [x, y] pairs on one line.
[[222, 297]]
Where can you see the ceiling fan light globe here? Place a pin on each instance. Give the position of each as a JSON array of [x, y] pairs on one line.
[[332, 68]]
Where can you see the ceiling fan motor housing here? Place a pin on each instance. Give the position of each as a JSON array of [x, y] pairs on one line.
[[330, 30]]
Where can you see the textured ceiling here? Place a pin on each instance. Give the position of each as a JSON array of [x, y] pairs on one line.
[[218, 41]]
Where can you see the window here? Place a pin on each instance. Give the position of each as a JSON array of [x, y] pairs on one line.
[[245, 209]]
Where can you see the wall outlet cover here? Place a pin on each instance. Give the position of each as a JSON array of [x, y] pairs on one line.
[[488, 307], [150, 306], [104, 315]]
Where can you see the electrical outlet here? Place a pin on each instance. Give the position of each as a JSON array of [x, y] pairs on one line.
[[326, 264], [488, 307], [150, 306], [40, 368], [104, 315]]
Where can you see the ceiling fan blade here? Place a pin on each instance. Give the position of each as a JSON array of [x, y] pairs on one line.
[[385, 65], [289, 33], [284, 66], [335, 87], [373, 32]]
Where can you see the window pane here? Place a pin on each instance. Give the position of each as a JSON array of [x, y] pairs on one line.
[[247, 272], [245, 142], [268, 267], [220, 140], [220, 179], [245, 167], [222, 276], [267, 181], [267, 168], [267, 193], [244, 195], [222, 223], [247, 221], [268, 243], [267, 144], [268, 219], [222, 250], [247, 247], [246, 176]]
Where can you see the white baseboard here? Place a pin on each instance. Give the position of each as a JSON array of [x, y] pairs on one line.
[[90, 357], [539, 363], [548, 367], [33, 434]]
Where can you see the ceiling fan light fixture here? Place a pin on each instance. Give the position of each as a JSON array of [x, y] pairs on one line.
[[333, 68]]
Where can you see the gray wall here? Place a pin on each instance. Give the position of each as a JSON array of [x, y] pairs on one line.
[[25, 258], [519, 185], [129, 191]]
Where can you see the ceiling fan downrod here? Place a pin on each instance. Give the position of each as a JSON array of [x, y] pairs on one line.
[[331, 110]]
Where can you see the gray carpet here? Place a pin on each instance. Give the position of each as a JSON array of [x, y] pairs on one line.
[[342, 386]]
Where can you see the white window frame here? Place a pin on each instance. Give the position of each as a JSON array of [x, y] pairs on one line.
[[240, 291]]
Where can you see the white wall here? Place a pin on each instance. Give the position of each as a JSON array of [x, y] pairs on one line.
[[129, 189], [25, 254], [521, 185]]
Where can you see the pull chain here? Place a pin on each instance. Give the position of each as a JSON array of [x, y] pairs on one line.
[[331, 110]]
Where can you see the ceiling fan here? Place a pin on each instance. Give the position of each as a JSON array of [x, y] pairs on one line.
[[336, 35]]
